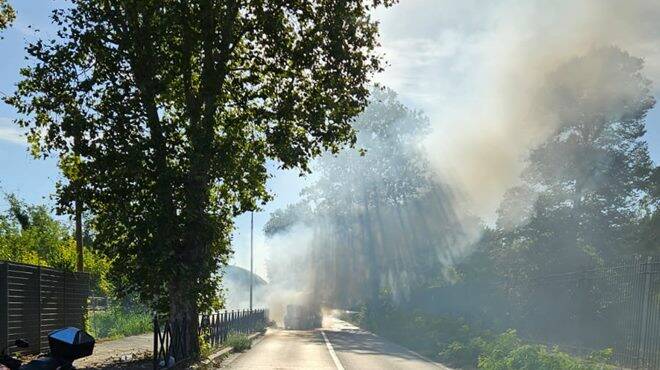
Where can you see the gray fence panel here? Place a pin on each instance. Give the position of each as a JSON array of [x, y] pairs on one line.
[[4, 318], [36, 300], [23, 304]]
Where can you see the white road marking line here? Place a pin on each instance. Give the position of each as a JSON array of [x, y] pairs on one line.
[[335, 359]]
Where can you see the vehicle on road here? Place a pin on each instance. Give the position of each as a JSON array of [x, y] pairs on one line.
[[302, 317], [66, 345]]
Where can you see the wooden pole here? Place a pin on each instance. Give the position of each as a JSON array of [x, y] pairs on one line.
[[79, 236]]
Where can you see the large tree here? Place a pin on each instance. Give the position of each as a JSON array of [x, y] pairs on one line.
[[377, 220], [174, 107], [584, 188]]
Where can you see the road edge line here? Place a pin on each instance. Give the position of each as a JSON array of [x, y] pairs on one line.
[[335, 359]]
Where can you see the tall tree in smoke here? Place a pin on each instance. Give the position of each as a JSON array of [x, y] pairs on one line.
[[583, 186], [377, 218], [647, 234], [354, 189], [174, 108]]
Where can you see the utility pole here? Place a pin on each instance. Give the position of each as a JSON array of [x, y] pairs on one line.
[[251, 256], [78, 214], [79, 236]]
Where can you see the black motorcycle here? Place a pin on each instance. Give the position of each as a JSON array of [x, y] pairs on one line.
[[66, 345]]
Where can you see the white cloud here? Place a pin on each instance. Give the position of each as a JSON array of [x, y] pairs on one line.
[[9, 132]]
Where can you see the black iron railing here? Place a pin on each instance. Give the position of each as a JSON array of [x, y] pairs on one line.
[[171, 345], [219, 325]]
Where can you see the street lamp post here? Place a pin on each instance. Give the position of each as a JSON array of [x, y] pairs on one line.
[[251, 256]]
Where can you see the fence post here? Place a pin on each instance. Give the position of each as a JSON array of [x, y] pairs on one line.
[[4, 310], [64, 293], [182, 333], [39, 307], [156, 337], [646, 270], [225, 326]]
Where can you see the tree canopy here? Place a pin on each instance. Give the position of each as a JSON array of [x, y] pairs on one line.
[[586, 189], [7, 14], [173, 108], [377, 218], [29, 234]]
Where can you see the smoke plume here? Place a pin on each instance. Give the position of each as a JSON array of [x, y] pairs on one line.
[[496, 80], [479, 69]]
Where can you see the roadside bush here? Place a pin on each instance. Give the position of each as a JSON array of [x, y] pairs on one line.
[[458, 344], [205, 348], [117, 322], [240, 342], [508, 352], [463, 354], [449, 338]]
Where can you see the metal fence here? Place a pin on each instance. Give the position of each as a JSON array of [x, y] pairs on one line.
[[615, 306], [35, 300], [170, 348]]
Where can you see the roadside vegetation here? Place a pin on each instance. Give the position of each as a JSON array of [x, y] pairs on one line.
[[240, 342], [30, 234], [458, 343], [117, 322]]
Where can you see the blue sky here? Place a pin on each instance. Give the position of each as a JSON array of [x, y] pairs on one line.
[[430, 49]]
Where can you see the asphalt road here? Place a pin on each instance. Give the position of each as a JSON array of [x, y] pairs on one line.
[[338, 346]]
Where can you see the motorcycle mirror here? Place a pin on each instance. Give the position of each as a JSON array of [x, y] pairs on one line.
[[21, 343]]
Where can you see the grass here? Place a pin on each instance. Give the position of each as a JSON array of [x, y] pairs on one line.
[[240, 342], [117, 322]]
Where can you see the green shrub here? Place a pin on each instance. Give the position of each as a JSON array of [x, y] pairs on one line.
[[463, 354], [205, 348], [602, 356], [117, 322], [457, 344], [30, 234], [426, 334], [240, 342], [508, 352]]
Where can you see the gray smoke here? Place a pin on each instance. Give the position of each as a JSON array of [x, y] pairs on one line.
[[489, 75], [479, 70]]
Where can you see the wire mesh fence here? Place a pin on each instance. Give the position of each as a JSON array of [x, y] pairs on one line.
[[171, 346], [614, 306]]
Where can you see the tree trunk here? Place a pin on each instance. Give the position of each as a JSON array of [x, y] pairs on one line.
[[193, 255], [185, 318], [373, 285]]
